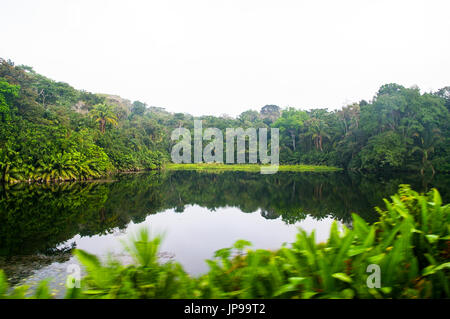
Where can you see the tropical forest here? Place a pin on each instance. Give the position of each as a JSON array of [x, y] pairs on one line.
[[59, 144], [53, 132], [228, 158]]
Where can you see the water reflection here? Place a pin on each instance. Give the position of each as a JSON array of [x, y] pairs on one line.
[[39, 218]]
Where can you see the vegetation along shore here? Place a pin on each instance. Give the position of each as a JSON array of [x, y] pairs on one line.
[[410, 244], [50, 131], [248, 167]]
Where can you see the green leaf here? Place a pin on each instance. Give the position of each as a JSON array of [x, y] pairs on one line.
[[3, 284], [241, 244], [386, 290], [42, 291], [291, 286], [357, 251], [90, 261], [376, 259], [433, 269], [341, 276], [348, 293], [443, 266], [432, 238]]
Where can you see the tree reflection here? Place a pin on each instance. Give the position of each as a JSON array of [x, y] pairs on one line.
[[36, 218]]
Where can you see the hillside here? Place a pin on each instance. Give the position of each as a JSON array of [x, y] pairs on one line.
[[51, 131]]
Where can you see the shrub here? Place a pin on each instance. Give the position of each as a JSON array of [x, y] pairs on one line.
[[410, 244]]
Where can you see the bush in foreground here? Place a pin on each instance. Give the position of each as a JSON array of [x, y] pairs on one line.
[[410, 244]]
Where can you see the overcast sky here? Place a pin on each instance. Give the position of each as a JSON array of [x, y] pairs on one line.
[[225, 56]]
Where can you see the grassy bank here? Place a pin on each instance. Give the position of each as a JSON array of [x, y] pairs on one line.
[[63, 176], [247, 167]]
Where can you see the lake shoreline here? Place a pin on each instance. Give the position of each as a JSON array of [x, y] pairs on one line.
[[249, 167], [197, 167]]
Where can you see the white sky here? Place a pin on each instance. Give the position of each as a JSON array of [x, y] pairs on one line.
[[226, 56]]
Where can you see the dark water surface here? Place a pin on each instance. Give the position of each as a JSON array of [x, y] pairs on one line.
[[198, 212]]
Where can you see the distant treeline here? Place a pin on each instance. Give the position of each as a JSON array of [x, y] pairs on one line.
[[51, 131]]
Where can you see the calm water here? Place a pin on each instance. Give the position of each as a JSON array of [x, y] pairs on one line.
[[198, 212]]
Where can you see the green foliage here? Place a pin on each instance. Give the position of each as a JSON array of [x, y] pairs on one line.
[[129, 154], [103, 114], [290, 123], [138, 108], [35, 217], [146, 279], [248, 167], [399, 129], [8, 93], [384, 150], [22, 292], [47, 132], [410, 244], [35, 152]]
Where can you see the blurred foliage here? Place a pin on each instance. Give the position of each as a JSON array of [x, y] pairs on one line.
[[410, 244]]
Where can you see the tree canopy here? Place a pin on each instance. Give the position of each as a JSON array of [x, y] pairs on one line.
[[49, 130]]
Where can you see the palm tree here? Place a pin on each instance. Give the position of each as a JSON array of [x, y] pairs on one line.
[[58, 166], [10, 165], [102, 113], [349, 115], [427, 142], [317, 130]]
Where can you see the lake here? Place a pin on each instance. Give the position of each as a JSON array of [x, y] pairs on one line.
[[198, 212]]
